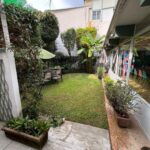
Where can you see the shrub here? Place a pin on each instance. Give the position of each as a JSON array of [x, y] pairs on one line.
[[31, 110], [55, 121], [120, 96], [108, 81], [26, 125], [84, 31], [49, 29], [100, 72], [69, 39], [23, 27]]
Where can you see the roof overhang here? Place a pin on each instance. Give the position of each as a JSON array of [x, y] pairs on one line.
[[144, 2], [131, 18]]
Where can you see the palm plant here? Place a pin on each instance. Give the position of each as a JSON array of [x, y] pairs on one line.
[[90, 45]]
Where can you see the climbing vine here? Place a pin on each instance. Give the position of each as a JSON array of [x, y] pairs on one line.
[[26, 32]]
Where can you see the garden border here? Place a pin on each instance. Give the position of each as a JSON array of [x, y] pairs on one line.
[[123, 138]]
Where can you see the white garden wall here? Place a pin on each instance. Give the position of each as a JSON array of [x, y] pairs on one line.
[[12, 82]]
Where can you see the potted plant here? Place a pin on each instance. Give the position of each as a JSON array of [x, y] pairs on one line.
[[30, 132], [120, 96], [100, 72], [145, 148]]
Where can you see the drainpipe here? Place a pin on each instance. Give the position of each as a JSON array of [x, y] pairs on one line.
[[130, 59]]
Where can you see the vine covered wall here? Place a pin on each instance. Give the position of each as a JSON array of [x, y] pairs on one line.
[[26, 29]]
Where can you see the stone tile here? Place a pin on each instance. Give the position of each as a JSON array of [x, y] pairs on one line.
[[84, 136], [1, 124], [89, 137], [60, 145], [4, 141], [18, 146], [60, 133]]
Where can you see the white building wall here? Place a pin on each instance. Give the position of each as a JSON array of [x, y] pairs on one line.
[[70, 18], [107, 9], [12, 82], [10, 72]]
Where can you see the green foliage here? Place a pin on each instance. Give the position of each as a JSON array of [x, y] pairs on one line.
[[84, 31], [31, 110], [100, 72], [30, 73], [23, 27], [29, 30], [89, 44], [49, 29], [15, 2], [55, 121], [69, 39], [120, 96], [108, 81], [26, 125]]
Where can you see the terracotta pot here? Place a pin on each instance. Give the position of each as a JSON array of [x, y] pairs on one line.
[[37, 142], [122, 121], [100, 77], [145, 148]]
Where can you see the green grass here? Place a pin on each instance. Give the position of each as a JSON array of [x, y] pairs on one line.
[[79, 98]]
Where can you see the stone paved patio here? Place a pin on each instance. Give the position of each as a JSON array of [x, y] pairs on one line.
[[70, 136]]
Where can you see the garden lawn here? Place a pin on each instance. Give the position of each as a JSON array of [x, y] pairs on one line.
[[79, 98]]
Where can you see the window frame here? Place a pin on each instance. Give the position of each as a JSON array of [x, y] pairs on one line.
[[97, 15]]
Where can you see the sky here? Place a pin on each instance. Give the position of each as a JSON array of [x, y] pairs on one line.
[[55, 4]]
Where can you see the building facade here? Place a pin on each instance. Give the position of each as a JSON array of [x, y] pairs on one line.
[[95, 13], [100, 14]]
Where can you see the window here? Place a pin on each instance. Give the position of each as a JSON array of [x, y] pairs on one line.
[[96, 15]]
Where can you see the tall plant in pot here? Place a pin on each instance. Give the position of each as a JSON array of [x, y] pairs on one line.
[[100, 72], [121, 98]]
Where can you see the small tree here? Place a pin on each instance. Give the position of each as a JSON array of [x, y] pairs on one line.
[[49, 29], [69, 39]]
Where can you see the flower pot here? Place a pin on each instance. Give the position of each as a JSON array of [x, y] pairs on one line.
[[37, 142], [123, 122], [100, 77], [145, 148]]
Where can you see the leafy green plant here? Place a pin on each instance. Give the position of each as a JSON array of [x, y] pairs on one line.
[[80, 32], [31, 110], [89, 45], [69, 39], [100, 72], [121, 97], [55, 121], [108, 81], [26, 125]]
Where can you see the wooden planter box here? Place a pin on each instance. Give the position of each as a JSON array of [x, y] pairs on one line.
[[37, 142]]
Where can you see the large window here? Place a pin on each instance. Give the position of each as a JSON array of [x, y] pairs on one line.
[[96, 14]]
